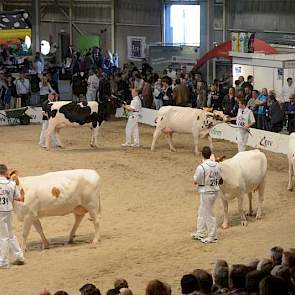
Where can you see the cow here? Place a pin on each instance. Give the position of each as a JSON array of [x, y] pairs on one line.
[[291, 160], [72, 114], [243, 174], [58, 194], [197, 122]]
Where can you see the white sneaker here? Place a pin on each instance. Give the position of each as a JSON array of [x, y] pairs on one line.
[[135, 145], [42, 146], [209, 240], [126, 144], [195, 236]]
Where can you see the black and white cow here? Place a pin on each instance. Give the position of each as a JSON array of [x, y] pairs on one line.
[[71, 114]]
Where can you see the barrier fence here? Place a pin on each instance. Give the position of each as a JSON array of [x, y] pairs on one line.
[[274, 142]]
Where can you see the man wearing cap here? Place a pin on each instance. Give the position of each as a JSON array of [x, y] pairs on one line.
[[8, 241], [207, 178]]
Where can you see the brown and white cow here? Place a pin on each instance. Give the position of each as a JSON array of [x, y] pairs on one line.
[[197, 122], [58, 194]]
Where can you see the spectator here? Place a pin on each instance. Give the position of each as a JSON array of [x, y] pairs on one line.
[[180, 93], [189, 284], [147, 95], [229, 104], [274, 115], [120, 283], [89, 289], [214, 99], [167, 93], [44, 292], [289, 259], [45, 89], [287, 91], [104, 89], [138, 82], [113, 292], [221, 277], [253, 265], [265, 265], [276, 254], [202, 96], [291, 114], [10, 93], [205, 281], [237, 277], [249, 82], [157, 95], [157, 287], [248, 93], [253, 279], [125, 291], [261, 103], [22, 85], [61, 293], [242, 83], [273, 286], [92, 86]]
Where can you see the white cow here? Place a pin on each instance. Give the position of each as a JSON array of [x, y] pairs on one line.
[[243, 174], [57, 194], [185, 120], [71, 114], [291, 159]]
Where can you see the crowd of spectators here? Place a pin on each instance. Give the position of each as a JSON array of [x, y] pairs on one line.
[[269, 276], [97, 76]]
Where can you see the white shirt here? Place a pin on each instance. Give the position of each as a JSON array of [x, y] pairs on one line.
[[8, 193], [286, 93], [93, 83], [39, 67], [45, 89], [207, 176], [136, 104], [245, 117], [22, 86]]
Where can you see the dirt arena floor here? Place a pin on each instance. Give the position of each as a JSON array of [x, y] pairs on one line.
[[149, 210]]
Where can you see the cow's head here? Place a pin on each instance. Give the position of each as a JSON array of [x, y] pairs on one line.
[[212, 119], [14, 175]]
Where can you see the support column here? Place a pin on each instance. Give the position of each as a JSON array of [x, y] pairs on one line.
[[210, 32], [1, 5], [71, 21], [113, 26], [35, 26], [224, 20]]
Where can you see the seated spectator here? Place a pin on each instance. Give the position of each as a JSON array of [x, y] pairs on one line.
[[261, 103], [220, 277], [253, 279], [189, 284], [180, 93], [113, 292], [265, 265], [276, 254], [125, 291], [45, 292], [252, 104], [89, 289], [253, 265], [237, 279], [61, 293], [205, 281], [120, 283], [289, 259], [292, 272], [157, 287], [274, 115], [273, 286], [230, 105], [214, 98], [291, 114]]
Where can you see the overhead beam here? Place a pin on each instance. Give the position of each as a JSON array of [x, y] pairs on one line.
[[36, 26]]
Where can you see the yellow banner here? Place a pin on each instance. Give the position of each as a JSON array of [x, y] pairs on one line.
[[15, 33]]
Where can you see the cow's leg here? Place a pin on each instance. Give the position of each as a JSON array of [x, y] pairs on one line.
[[250, 212], [260, 199], [49, 134], [156, 135], [170, 142], [78, 219], [291, 171], [241, 210], [28, 221], [94, 135], [57, 140], [196, 142], [39, 229], [95, 218], [225, 223]]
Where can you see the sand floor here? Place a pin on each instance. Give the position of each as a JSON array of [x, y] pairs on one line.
[[149, 210]]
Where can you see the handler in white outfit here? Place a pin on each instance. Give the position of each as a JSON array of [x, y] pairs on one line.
[[207, 178], [8, 241], [245, 120], [134, 110]]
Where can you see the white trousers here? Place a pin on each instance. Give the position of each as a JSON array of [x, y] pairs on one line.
[[242, 139], [42, 140], [206, 221], [9, 245], [132, 129]]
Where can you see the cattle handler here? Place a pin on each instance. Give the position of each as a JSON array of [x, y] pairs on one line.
[[8, 241], [207, 178], [134, 110]]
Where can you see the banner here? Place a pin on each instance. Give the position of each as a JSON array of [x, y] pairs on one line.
[[34, 113], [136, 48]]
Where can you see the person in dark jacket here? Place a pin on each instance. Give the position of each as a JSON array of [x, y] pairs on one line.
[[274, 115], [229, 105], [104, 90], [291, 114]]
